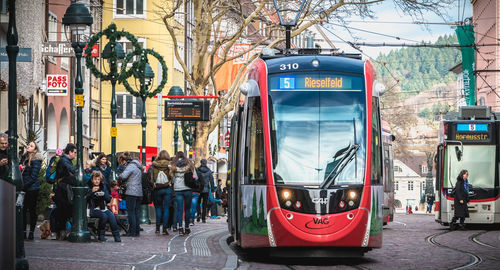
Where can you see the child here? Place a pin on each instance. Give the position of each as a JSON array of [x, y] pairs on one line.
[[97, 197], [115, 198]]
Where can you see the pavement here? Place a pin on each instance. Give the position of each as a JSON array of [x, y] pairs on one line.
[[410, 242], [204, 248]]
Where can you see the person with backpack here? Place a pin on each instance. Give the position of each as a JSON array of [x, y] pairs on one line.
[[132, 178], [182, 171], [207, 183], [63, 192], [159, 177], [31, 163]]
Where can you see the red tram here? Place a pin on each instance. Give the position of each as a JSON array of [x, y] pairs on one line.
[[306, 157]]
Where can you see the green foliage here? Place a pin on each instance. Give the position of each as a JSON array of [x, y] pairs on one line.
[[43, 200], [255, 221], [418, 69], [262, 221]]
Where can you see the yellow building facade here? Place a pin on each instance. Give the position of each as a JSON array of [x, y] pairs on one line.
[[142, 19]]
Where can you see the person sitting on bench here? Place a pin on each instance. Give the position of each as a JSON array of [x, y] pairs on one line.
[[97, 198]]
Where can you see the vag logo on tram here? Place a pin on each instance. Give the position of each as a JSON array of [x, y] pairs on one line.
[[320, 200]]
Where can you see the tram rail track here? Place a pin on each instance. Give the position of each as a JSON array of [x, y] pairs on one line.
[[476, 259], [474, 238]]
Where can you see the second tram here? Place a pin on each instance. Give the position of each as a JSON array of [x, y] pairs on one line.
[[469, 140], [306, 157], [388, 175]]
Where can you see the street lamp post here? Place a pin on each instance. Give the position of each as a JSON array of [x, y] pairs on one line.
[[176, 91], [288, 14], [142, 71], [78, 18], [14, 174], [113, 52]]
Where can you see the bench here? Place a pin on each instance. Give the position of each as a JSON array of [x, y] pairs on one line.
[[93, 225]]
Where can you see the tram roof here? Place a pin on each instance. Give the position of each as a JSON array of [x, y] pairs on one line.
[[326, 63]]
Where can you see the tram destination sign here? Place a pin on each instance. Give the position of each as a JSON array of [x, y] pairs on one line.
[[472, 132], [184, 110]]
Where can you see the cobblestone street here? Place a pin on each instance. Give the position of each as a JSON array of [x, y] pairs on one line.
[[411, 242]]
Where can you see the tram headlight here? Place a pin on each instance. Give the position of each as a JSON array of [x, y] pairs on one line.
[[315, 63], [286, 194], [352, 194]]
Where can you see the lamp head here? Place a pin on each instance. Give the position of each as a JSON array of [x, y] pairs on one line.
[[175, 91], [106, 53], [77, 18], [288, 11], [148, 74]]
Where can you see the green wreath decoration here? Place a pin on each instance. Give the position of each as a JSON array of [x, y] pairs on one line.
[[113, 35], [137, 70]]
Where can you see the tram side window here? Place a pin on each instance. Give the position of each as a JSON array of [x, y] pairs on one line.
[[255, 142], [376, 158]]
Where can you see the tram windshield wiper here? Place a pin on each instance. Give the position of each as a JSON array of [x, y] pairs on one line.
[[348, 155]]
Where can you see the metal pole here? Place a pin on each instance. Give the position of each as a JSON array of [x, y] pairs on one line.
[[143, 124], [288, 37], [176, 138], [14, 174], [113, 130], [79, 230]]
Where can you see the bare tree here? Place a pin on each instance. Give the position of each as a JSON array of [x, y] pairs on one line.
[[220, 24]]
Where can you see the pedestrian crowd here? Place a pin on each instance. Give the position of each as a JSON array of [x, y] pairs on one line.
[[180, 192]]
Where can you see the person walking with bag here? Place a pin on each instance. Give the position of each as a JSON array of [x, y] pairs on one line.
[[460, 200], [182, 170], [132, 178], [163, 189], [31, 163], [206, 178]]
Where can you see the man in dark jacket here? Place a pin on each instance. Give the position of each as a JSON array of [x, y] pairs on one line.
[[207, 180], [63, 193], [4, 156]]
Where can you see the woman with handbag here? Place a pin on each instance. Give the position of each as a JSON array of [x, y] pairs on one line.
[[160, 179], [132, 177], [182, 171]]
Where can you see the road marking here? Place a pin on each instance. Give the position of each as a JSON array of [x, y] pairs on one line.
[[150, 258], [184, 246], [404, 224]]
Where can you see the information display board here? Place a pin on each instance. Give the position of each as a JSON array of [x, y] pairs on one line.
[[185, 110]]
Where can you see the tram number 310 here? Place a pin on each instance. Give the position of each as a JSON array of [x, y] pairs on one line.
[[289, 66]]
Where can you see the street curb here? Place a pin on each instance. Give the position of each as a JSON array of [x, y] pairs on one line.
[[232, 259]]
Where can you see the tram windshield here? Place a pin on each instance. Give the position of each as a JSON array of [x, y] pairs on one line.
[[318, 133], [478, 160]]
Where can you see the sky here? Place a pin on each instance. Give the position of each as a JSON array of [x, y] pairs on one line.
[[389, 21]]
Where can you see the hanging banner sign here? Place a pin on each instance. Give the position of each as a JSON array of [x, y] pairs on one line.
[[465, 35], [56, 48], [57, 85], [24, 55]]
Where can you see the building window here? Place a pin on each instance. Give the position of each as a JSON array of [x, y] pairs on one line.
[[425, 169], [410, 185], [52, 34], [129, 8], [129, 47], [129, 108], [396, 185], [94, 126], [397, 168]]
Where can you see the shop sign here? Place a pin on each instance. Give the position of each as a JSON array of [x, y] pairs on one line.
[[57, 85]]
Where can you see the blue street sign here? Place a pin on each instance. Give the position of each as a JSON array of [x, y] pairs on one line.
[[24, 55]]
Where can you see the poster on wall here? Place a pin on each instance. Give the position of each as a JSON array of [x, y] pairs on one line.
[[57, 85]]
